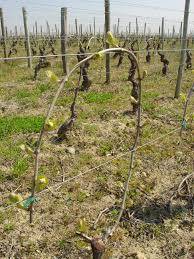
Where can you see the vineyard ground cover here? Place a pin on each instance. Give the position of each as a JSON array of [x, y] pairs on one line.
[[101, 132]]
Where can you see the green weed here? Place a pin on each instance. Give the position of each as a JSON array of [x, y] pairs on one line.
[[105, 148], [20, 167], [11, 125], [93, 97]]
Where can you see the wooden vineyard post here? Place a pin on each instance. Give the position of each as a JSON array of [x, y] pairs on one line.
[[129, 28], [94, 25], [41, 31], [48, 29], [137, 28], [180, 32], [173, 32], [64, 38], [94, 29], [126, 32], [16, 31], [114, 29], [162, 32], [118, 25], [81, 31], [107, 28], [76, 28], [27, 38], [144, 31], [36, 29], [183, 50], [6, 32], [3, 33], [21, 33]]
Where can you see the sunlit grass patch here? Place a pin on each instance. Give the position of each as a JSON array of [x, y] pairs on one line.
[[93, 97], [11, 125]]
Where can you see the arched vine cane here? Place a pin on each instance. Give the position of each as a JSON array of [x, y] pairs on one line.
[[94, 242]]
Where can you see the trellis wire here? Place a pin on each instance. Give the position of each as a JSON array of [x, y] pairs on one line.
[[59, 185], [75, 54]]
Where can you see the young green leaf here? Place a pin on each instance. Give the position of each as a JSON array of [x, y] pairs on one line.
[[41, 182], [53, 78], [110, 39], [50, 125], [83, 228], [183, 97], [16, 198]]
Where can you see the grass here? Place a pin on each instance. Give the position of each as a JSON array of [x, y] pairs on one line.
[[105, 148], [9, 145], [15, 125], [16, 163], [8, 227], [64, 100], [148, 99], [28, 97], [93, 97], [20, 167]]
